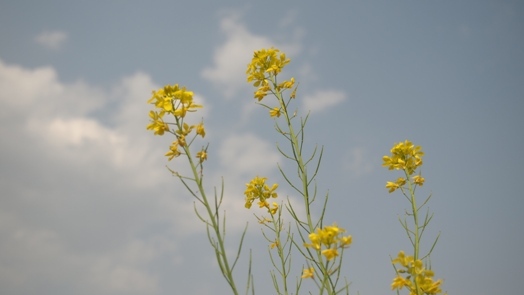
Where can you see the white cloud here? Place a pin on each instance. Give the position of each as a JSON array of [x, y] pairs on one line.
[[123, 271], [248, 154], [80, 189], [358, 162], [85, 136], [86, 183], [289, 19], [20, 87], [126, 279], [307, 73], [231, 58], [51, 39], [38, 93], [42, 255], [323, 99], [242, 157]]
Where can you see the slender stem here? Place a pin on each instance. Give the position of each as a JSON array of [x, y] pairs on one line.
[[416, 232], [295, 146], [414, 209], [277, 225], [226, 270], [326, 285]]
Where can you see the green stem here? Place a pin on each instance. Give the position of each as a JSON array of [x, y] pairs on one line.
[[280, 248], [416, 245], [222, 257], [297, 154]]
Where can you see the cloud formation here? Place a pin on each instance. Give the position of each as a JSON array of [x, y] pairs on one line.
[[53, 40], [357, 162], [79, 192], [323, 99], [231, 58], [84, 180]]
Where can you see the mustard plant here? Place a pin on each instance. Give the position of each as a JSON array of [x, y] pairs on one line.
[[293, 231], [321, 246], [413, 272], [172, 104]]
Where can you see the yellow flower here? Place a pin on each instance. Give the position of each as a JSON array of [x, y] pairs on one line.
[[266, 63], [392, 186], [183, 108], [157, 124], [402, 259], [395, 185], [416, 276], [329, 237], [173, 151], [346, 241], [330, 253], [158, 98], [419, 180], [200, 130], [202, 156], [185, 130], [274, 112], [294, 93], [270, 192], [260, 95], [262, 91], [273, 209], [308, 273], [174, 99], [182, 140], [399, 282], [401, 181], [430, 287], [315, 241], [286, 84], [273, 245], [262, 204], [257, 189], [404, 156]]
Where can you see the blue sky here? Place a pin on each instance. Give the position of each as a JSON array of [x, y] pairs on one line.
[[89, 208]]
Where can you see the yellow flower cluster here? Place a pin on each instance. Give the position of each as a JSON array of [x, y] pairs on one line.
[[330, 238], [404, 156], [407, 157], [264, 67], [308, 273], [414, 269], [181, 135], [257, 189], [157, 123], [176, 101]]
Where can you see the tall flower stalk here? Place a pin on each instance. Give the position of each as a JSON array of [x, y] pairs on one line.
[[411, 273], [319, 245], [174, 102]]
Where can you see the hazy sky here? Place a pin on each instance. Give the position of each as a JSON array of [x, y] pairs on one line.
[[88, 207]]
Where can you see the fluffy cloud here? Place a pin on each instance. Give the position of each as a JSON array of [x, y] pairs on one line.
[[51, 39], [322, 100], [230, 58], [248, 154], [358, 162], [82, 181], [87, 203]]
